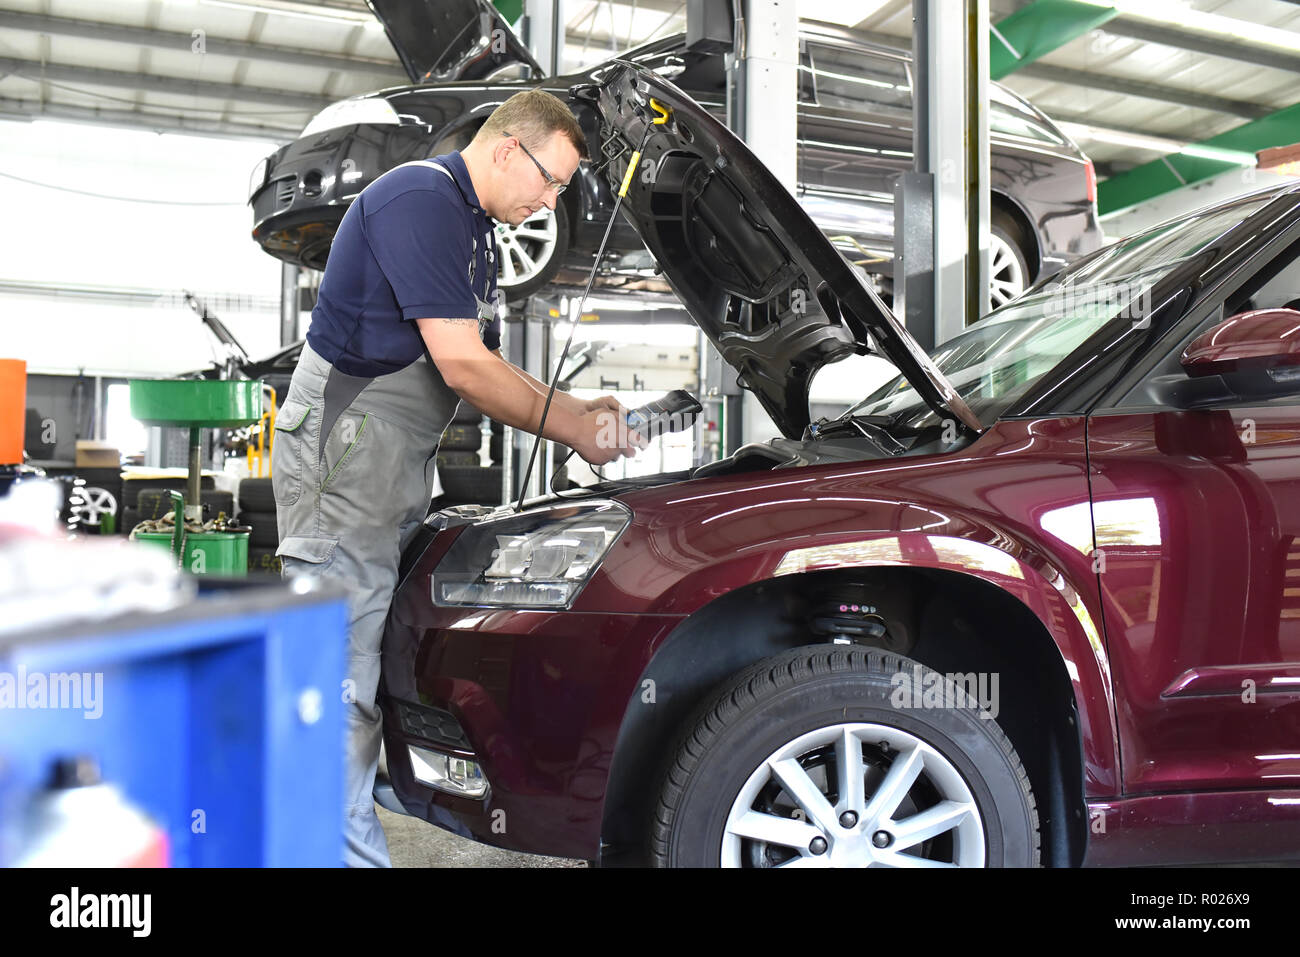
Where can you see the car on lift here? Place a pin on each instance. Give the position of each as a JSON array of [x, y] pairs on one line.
[[855, 137], [1029, 603]]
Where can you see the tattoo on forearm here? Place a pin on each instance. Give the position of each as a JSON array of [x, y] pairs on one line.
[[460, 320]]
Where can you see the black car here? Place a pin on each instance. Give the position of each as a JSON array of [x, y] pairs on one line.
[[855, 117]]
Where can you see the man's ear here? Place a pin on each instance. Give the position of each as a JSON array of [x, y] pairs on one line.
[[501, 151]]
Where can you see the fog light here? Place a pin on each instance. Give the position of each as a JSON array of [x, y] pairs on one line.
[[447, 773]]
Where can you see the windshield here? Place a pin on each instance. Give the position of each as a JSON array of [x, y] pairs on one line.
[[1002, 356]]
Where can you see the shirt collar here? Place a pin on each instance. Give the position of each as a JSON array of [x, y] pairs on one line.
[[460, 172]]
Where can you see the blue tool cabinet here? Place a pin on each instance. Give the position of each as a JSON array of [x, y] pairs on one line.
[[231, 706]]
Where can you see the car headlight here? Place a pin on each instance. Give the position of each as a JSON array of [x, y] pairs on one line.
[[356, 111], [257, 179], [538, 559]]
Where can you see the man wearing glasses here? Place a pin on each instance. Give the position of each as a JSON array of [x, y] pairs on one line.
[[406, 326]]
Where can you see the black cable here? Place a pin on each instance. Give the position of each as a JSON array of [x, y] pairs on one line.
[[555, 474], [573, 326]]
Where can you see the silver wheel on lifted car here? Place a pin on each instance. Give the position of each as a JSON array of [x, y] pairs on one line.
[[530, 254]]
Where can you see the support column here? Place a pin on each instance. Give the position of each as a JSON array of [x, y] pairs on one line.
[[543, 33], [766, 114], [942, 209], [290, 309]]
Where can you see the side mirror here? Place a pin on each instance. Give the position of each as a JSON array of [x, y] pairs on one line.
[[1257, 353]]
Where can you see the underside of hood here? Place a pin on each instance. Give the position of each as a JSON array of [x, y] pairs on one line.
[[446, 40], [754, 271]]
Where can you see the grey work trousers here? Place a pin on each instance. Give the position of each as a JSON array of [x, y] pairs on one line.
[[353, 469]]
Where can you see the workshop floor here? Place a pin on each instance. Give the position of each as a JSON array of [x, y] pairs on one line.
[[413, 843]]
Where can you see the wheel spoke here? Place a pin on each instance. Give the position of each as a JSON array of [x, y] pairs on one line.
[[527, 261], [806, 794], [848, 761], [543, 234], [782, 831], [898, 781], [508, 264], [931, 822], [808, 860]]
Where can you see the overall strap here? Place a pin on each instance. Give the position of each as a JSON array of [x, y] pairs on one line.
[[473, 255]]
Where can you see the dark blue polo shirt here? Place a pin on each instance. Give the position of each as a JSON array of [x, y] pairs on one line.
[[402, 253]]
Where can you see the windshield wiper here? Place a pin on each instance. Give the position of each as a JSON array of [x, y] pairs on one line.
[[872, 427]]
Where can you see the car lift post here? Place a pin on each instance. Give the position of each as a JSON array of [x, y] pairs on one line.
[[290, 308], [767, 49], [941, 221]]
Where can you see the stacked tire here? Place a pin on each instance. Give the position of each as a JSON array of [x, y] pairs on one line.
[[257, 510], [465, 480]]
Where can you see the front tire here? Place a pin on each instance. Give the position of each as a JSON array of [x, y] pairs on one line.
[[1010, 273], [804, 760]]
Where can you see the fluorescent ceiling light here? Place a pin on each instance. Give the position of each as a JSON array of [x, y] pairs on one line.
[[1155, 144], [306, 11], [1211, 24], [848, 14], [1139, 141]]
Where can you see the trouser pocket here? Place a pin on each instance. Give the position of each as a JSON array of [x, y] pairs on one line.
[[295, 425], [344, 445], [299, 554]]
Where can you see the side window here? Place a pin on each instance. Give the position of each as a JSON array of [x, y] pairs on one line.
[[1010, 121], [1276, 285], [849, 79]]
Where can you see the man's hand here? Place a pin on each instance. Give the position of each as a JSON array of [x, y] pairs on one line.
[[603, 435], [604, 402]]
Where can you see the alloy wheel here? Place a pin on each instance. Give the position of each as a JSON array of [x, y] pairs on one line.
[[91, 504], [1006, 271], [525, 250], [854, 795]]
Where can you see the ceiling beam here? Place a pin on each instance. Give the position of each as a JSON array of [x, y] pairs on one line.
[[1199, 161], [510, 10], [119, 79], [170, 40], [1149, 91], [1203, 43], [1113, 84], [1039, 28]]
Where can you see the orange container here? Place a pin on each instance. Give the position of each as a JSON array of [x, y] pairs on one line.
[[13, 410]]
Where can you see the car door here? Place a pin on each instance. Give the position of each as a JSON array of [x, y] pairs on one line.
[[1196, 518], [855, 137]]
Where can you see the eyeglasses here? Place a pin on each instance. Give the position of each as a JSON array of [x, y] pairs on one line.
[[551, 181]]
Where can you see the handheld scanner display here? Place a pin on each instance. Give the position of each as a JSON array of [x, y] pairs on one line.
[[673, 413]]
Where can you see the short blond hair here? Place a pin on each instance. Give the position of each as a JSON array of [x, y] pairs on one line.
[[532, 116]]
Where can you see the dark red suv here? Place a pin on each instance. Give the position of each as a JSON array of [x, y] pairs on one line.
[[1037, 600]]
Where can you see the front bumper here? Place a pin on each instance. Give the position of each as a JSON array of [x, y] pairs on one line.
[[309, 184], [535, 698]]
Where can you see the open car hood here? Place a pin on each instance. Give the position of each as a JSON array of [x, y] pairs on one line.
[[445, 40], [757, 275]]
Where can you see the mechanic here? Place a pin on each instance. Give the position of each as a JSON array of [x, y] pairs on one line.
[[406, 326]]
